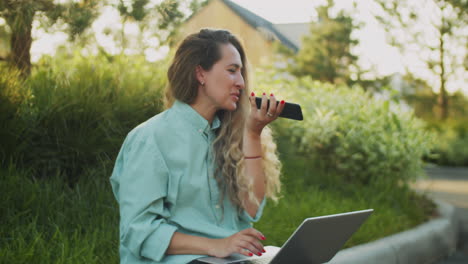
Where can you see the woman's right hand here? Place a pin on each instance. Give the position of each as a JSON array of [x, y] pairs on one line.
[[245, 242]]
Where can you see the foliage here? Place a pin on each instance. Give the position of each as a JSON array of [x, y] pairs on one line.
[[196, 5], [451, 148], [161, 20], [4, 37], [326, 52], [350, 135], [424, 104], [13, 94], [461, 7], [444, 56], [395, 209], [15, 98], [80, 110], [135, 10], [46, 221], [19, 15], [74, 111]]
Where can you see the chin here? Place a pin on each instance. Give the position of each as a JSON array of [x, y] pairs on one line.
[[231, 107]]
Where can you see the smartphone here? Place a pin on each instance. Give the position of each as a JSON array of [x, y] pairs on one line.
[[290, 110]]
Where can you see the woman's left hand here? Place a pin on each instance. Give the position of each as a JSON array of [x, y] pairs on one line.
[[259, 118]]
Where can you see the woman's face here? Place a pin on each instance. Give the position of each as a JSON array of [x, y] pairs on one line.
[[224, 82]]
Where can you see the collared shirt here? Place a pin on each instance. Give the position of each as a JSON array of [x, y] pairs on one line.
[[163, 181]]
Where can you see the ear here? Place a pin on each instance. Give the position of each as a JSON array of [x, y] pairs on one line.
[[200, 73]]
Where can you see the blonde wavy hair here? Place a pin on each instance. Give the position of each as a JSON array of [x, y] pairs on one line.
[[202, 49]]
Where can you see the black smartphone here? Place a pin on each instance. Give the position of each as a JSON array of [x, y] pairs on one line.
[[290, 110]]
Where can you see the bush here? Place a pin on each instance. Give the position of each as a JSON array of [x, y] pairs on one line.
[[14, 100], [349, 135], [451, 148], [80, 111], [46, 221]]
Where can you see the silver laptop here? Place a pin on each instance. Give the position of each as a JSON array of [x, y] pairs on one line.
[[316, 240]]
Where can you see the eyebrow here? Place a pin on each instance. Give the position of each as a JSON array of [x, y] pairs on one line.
[[235, 65]]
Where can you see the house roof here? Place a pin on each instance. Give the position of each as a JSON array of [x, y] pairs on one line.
[[263, 25], [294, 31]]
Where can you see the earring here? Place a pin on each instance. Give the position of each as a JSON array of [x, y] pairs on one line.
[[202, 84]]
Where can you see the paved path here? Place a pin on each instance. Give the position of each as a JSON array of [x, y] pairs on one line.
[[450, 185]]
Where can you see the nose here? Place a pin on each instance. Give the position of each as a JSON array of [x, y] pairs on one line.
[[240, 82]]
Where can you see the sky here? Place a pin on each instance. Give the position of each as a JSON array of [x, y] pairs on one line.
[[372, 37], [373, 51]]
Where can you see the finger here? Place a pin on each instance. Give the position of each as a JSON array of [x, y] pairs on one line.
[[272, 108], [263, 108], [253, 105], [280, 108], [250, 247], [244, 251], [254, 232], [256, 244]]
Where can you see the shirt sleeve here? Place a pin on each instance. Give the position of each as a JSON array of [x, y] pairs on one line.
[[139, 181], [246, 216]]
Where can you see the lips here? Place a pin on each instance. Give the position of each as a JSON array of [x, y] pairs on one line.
[[235, 96]]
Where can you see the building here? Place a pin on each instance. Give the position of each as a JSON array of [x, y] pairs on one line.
[[258, 35]]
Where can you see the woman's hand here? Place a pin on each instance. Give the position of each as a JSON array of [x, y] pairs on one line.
[[245, 242], [259, 118]]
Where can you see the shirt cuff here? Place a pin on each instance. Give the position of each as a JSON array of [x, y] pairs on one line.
[[156, 244], [258, 215]]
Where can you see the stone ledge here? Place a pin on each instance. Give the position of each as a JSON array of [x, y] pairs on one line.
[[423, 244]]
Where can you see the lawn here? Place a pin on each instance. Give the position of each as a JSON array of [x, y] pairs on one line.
[[47, 221]]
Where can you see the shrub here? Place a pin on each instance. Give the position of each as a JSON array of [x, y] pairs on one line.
[[82, 108], [14, 100], [451, 148], [350, 135], [46, 221]]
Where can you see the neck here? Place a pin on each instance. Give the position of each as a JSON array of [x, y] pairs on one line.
[[206, 110]]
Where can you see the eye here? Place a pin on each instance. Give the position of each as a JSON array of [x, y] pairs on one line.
[[232, 70]]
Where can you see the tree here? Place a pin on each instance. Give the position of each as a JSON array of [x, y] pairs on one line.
[[78, 15], [4, 38], [160, 20], [409, 24], [326, 51], [461, 7], [135, 10], [20, 14]]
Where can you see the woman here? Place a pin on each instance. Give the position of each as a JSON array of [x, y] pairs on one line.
[[192, 179]]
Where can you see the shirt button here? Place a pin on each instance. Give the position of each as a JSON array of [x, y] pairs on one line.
[[199, 130], [217, 206]]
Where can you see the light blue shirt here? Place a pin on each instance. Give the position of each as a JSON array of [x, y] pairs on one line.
[[163, 183]]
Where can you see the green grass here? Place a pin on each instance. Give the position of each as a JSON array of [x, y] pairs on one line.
[[75, 111], [392, 214], [308, 194], [46, 221]]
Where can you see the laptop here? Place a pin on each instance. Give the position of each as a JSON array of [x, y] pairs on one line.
[[316, 240]]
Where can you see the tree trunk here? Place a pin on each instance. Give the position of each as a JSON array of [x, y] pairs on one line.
[[20, 21], [442, 100], [20, 46], [122, 35]]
